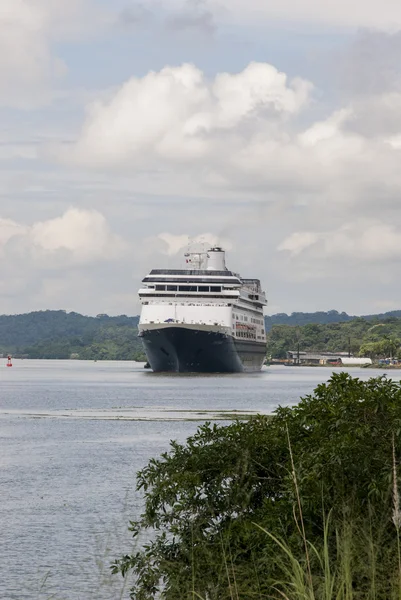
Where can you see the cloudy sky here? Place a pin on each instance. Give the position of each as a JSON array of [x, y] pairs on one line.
[[130, 128]]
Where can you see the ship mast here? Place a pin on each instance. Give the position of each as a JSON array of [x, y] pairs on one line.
[[196, 260], [210, 260]]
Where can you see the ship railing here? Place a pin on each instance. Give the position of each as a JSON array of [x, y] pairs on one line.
[[253, 284], [191, 272]]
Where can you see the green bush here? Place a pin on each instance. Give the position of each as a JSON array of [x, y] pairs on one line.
[[228, 514]]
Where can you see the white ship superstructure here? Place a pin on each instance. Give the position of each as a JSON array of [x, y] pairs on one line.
[[203, 318]]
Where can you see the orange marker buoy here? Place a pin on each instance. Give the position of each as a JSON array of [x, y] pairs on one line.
[[9, 363]]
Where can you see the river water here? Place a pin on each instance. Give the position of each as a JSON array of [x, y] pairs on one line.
[[73, 434]]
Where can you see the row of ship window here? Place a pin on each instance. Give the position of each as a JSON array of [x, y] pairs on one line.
[[188, 288], [145, 302], [252, 320], [250, 335], [240, 317]]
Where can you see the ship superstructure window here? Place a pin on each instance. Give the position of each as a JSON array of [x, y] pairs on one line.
[[248, 335], [214, 289], [184, 288]]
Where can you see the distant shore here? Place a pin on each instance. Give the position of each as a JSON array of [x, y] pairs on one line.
[[372, 366]]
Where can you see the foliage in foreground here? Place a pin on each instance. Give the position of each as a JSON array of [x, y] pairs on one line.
[[297, 506]]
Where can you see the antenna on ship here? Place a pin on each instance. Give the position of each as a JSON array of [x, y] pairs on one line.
[[194, 258]]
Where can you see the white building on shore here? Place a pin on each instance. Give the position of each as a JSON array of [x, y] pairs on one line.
[[327, 358]]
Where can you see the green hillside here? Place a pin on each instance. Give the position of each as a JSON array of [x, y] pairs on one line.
[[376, 337], [58, 334], [321, 318]]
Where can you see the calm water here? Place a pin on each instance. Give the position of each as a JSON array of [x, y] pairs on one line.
[[73, 434]]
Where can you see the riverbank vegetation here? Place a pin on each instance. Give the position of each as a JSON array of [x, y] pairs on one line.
[[304, 504], [60, 335], [298, 319], [375, 338]]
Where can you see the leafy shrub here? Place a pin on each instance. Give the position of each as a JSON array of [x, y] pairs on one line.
[[209, 502]]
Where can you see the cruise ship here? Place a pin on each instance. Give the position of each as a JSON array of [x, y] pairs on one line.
[[202, 319]]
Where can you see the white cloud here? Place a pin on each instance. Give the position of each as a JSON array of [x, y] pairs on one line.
[[359, 13], [197, 243], [298, 241], [10, 229], [28, 30], [325, 130], [174, 243], [246, 148], [178, 116], [249, 133], [25, 58], [78, 237], [361, 240]]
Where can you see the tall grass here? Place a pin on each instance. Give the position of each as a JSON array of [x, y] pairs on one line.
[[347, 565], [350, 563], [333, 577], [335, 571]]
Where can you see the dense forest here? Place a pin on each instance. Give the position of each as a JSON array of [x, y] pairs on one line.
[[374, 337], [58, 334], [321, 318]]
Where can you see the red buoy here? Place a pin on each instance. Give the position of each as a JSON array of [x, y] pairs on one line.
[[9, 363]]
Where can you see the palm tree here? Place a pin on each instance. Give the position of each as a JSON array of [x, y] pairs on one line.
[[391, 345]]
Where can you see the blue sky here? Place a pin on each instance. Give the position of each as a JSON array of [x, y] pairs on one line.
[[129, 129]]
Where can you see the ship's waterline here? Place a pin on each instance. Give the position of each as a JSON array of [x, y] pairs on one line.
[[204, 319]]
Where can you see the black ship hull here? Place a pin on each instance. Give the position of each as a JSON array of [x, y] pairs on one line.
[[187, 350]]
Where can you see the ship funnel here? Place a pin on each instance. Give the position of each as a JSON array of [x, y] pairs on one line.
[[216, 260]]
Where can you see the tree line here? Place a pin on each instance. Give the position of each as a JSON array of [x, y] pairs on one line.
[[320, 318], [60, 335], [375, 337]]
